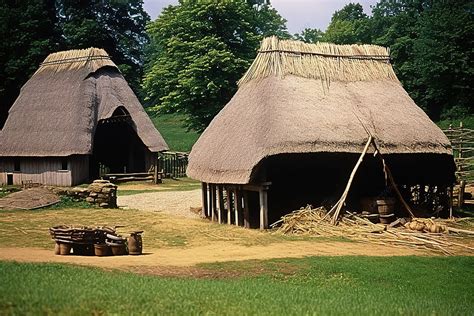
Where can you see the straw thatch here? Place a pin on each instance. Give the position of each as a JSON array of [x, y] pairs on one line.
[[58, 109], [295, 99]]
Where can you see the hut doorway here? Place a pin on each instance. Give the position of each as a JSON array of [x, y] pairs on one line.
[[117, 147]]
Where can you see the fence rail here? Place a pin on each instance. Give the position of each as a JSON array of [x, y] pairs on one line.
[[462, 140], [172, 164]]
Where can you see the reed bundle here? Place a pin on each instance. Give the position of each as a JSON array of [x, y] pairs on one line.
[[315, 222], [92, 58], [324, 61]]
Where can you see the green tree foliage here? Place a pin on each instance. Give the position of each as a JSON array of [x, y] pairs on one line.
[[348, 26], [199, 50], [118, 26], [27, 37], [431, 46], [310, 35]]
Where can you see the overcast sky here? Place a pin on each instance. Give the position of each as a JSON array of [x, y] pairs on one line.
[[299, 13]]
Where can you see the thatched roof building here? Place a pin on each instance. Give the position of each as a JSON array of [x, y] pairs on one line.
[[72, 98], [297, 100]]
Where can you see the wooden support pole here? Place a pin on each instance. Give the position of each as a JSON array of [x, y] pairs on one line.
[[213, 208], [205, 204], [450, 197], [229, 205], [246, 210], [263, 209], [237, 206], [462, 188], [221, 204]]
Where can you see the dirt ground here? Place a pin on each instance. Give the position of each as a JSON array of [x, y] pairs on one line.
[[169, 202], [176, 241]]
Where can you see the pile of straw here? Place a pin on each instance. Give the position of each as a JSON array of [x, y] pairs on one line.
[[324, 61], [309, 221]]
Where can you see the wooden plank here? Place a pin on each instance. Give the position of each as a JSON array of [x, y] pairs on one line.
[[229, 205], [205, 204], [246, 210], [263, 209], [213, 210], [256, 187]]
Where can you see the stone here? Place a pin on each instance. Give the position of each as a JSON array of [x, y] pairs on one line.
[[104, 204], [90, 200], [93, 194]]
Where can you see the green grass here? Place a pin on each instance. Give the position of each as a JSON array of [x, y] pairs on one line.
[[316, 285], [181, 184], [172, 130]]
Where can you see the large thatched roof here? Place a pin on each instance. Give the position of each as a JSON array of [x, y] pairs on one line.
[[309, 98], [58, 109]]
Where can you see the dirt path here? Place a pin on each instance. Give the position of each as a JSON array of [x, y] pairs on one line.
[[169, 202], [216, 252]]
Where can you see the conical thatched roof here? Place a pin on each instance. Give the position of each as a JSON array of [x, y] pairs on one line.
[[309, 98], [58, 109]]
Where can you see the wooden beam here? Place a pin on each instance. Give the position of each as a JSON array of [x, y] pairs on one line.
[[205, 204], [229, 205], [263, 209], [256, 187], [246, 210]]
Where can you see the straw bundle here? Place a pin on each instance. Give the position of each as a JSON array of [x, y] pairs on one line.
[[92, 58], [324, 61], [309, 221]]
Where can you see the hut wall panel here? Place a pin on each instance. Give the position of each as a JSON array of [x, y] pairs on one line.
[[38, 170], [150, 159], [79, 166]]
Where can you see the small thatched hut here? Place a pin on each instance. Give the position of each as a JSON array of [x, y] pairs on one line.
[[296, 127], [75, 115]]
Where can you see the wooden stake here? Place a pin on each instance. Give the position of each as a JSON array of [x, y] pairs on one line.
[[237, 206]]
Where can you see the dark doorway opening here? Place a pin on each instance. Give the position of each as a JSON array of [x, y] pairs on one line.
[[117, 147], [9, 178]]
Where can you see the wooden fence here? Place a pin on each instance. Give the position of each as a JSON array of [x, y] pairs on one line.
[[172, 164], [462, 140]]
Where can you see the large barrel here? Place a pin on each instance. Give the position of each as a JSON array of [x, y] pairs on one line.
[[386, 208], [135, 246]]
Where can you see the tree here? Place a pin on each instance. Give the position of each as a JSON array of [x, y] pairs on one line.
[[431, 44], [199, 50], [118, 26], [350, 25], [28, 36], [310, 35]]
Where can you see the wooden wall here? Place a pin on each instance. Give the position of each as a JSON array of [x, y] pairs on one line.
[[46, 170]]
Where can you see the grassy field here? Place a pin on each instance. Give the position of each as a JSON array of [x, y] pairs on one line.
[[181, 184], [172, 130], [316, 285], [467, 122]]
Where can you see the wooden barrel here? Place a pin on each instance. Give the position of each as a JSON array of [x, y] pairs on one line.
[[101, 250], [386, 206], [135, 246], [64, 249]]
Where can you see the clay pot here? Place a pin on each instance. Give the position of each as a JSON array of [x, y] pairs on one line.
[[64, 249], [119, 250], [101, 250]]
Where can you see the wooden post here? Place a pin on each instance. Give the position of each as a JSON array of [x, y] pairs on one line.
[[237, 206], [212, 197], [204, 199], [229, 205], [462, 187], [263, 209], [221, 203], [246, 210], [450, 197]]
